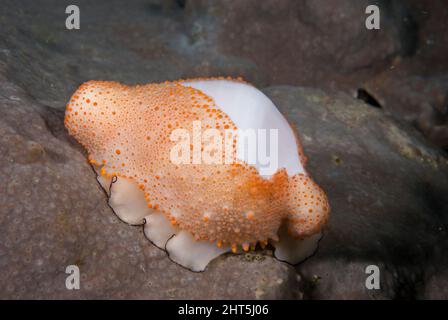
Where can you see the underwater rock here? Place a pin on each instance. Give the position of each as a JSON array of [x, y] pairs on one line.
[[386, 186], [311, 43], [305, 43], [325, 44], [54, 214], [420, 100], [387, 190]]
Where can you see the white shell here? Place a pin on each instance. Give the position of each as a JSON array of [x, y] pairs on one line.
[[249, 108]]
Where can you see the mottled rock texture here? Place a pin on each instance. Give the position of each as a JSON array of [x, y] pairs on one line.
[[315, 43], [415, 86], [323, 43], [54, 214], [387, 190], [387, 186]]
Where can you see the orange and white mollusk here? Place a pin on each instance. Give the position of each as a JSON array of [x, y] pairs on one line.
[[197, 211]]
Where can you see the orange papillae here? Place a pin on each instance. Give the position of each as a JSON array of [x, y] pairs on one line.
[[127, 130]]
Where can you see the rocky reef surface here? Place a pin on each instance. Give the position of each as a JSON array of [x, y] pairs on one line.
[[377, 157]]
